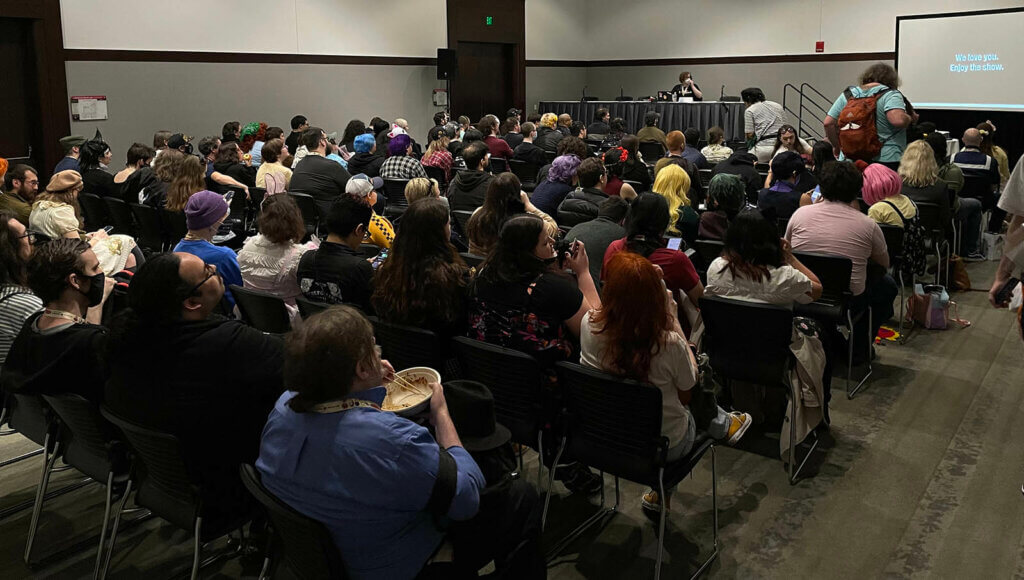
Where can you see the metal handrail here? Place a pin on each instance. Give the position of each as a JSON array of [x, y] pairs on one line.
[[802, 107]]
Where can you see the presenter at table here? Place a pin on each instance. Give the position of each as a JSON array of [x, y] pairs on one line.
[[687, 88]]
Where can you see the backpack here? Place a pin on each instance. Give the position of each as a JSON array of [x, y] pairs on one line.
[[915, 257], [858, 134]]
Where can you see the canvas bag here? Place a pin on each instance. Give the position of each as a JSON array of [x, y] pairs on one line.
[[993, 246], [858, 135], [929, 307]]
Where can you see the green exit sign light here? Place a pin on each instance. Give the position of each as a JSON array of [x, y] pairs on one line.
[[489, 20]]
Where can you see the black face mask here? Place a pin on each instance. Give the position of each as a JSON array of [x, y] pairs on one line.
[[95, 293]]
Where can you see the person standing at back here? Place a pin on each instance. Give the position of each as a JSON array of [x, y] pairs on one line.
[[299, 125], [762, 120], [852, 136]]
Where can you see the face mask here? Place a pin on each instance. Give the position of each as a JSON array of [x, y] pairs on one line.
[[95, 293]]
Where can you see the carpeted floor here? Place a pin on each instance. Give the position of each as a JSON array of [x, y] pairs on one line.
[[920, 477]]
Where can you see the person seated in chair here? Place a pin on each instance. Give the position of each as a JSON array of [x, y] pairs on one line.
[[783, 196], [61, 348], [204, 213], [366, 159], [690, 152], [547, 135], [651, 132], [636, 334], [725, 200], [526, 150], [317, 175], [400, 164], [329, 422], [469, 187], [337, 272], [599, 129], [581, 205]]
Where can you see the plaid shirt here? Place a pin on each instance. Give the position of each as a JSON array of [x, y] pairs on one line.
[[441, 159], [403, 167]]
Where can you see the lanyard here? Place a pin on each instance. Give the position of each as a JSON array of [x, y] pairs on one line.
[[336, 406], [52, 313]]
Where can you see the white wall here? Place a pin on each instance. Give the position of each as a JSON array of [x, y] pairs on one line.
[[337, 27], [556, 30]]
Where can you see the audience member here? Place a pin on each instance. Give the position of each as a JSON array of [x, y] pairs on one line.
[[17, 302], [231, 132], [183, 143], [645, 235], [981, 176], [467, 191], [526, 150], [948, 171], [346, 147], [581, 205], [636, 334], [676, 146], [139, 155], [399, 164], [272, 175], [337, 272], [988, 147], [72, 149], [921, 183], [366, 160], [560, 180], [21, 185], [331, 151], [726, 198], [757, 266], [149, 185], [881, 191], [269, 260], [690, 152], [437, 154], [380, 516], [762, 120], [568, 146], [160, 139], [783, 197], [599, 129], [60, 350], [716, 150], [617, 130], [564, 122], [229, 162], [787, 140], [578, 129], [299, 125], [421, 187], [316, 175], [511, 133], [741, 164], [253, 138], [836, 226], [209, 148], [651, 132], [423, 282], [633, 168], [95, 155], [504, 199], [180, 368], [892, 118], [205, 211], [381, 232], [186, 172], [615, 186], [598, 233], [547, 136], [673, 184], [518, 302]]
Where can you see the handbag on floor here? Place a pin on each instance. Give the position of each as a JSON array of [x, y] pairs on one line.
[[929, 307]]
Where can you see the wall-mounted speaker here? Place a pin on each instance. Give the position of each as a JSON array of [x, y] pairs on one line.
[[447, 64]]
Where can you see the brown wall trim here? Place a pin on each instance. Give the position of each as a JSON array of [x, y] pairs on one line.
[[820, 57], [73, 54]]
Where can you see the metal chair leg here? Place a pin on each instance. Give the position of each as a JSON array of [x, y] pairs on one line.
[[106, 524], [44, 480], [540, 458], [197, 548], [714, 518], [551, 484], [113, 531], [849, 369], [661, 523]]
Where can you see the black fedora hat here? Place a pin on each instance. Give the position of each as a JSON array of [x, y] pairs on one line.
[[471, 407]]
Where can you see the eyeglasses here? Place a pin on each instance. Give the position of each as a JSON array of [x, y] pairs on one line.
[[32, 182], [211, 271], [33, 237]]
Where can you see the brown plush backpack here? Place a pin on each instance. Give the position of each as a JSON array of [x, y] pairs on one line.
[[858, 135]]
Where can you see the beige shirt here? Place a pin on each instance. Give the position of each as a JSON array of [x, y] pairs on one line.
[[275, 168], [784, 285], [883, 213]]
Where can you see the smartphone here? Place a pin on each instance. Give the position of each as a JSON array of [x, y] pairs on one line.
[[108, 229], [379, 259], [674, 243], [816, 194], [228, 196], [574, 249], [1006, 292]]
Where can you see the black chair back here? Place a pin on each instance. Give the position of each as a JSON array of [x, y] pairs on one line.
[[636, 185], [151, 235], [165, 486], [407, 346], [708, 250], [256, 197], [833, 272], [307, 545], [439, 175], [461, 219], [394, 189], [549, 156], [310, 211], [174, 224], [761, 356], [705, 177], [525, 171], [94, 211], [261, 310], [29, 415], [614, 424], [91, 444], [979, 188], [472, 260], [514, 378], [120, 216], [651, 151], [238, 205], [893, 242], [498, 165], [928, 215], [309, 307]]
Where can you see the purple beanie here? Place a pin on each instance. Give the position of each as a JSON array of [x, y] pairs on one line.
[[563, 168], [398, 144], [204, 209]]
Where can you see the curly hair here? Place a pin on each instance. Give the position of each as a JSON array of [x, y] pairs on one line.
[[673, 183], [189, 177], [280, 220]]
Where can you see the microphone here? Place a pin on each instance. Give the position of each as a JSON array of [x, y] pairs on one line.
[[584, 97], [722, 97], [621, 93]]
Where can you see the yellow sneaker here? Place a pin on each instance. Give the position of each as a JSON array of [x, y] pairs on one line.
[[740, 423], [650, 502]]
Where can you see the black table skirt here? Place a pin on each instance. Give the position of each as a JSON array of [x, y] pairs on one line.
[[681, 116]]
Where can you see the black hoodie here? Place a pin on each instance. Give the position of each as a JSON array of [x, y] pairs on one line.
[[368, 163], [547, 139], [467, 191], [143, 186], [741, 164]]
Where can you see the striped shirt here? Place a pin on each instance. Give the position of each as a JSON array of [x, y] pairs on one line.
[[764, 119], [17, 303]]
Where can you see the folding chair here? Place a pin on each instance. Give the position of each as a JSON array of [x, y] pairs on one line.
[[651, 151], [928, 214], [310, 211], [498, 165], [261, 310], [407, 346], [151, 234], [94, 211], [120, 216], [461, 219], [894, 245], [526, 172], [309, 307]]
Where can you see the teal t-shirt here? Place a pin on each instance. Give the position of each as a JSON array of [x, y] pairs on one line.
[[894, 140]]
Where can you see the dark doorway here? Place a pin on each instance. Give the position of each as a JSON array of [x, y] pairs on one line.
[[484, 82], [19, 101]]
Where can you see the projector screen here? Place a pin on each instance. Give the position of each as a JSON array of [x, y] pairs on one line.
[[972, 61]]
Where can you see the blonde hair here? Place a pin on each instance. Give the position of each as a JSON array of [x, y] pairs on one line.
[[439, 144], [418, 188], [549, 120], [673, 184], [918, 167], [189, 178]]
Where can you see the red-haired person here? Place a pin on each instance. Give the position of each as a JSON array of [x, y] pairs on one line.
[[635, 333]]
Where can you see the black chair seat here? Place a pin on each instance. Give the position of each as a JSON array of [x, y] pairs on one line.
[[407, 346], [261, 310], [309, 307], [823, 311]]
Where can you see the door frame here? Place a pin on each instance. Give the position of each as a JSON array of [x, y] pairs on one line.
[[465, 20], [48, 45]]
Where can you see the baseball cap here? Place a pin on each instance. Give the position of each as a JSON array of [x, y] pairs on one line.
[[178, 140], [361, 184]]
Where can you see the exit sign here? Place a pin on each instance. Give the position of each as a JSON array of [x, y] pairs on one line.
[[489, 20]]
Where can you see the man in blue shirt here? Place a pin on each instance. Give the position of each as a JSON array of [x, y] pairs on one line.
[[70, 144], [204, 213], [891, 116], [690, 152], [981, 176], [330, 452]]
